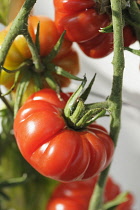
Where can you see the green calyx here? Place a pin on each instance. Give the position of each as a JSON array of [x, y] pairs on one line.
[[77, 114]]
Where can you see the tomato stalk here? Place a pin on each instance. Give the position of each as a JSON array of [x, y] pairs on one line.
[[5, 101], [115, 98]]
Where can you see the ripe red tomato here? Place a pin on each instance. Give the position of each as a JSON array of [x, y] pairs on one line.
[[102, 45], [76, 195], [71, 6], [52, 147], [98, 47], [82, 22], [129, 36]]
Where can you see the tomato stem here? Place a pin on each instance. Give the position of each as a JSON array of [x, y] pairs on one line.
[[6, 103], [79, 115], [115, 99]]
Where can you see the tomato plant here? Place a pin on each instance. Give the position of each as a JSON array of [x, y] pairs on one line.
[[76, 195], [19, 50], [52, 147]]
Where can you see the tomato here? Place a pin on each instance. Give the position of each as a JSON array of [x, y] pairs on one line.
[[48, 34], [98, 47], [76, 195], [19, 50], [70, 63], [129, 36], [71, 6], [81, 23], [102, 45], [52, 147]]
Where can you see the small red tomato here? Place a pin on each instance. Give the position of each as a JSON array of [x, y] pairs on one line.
[[52, 147]]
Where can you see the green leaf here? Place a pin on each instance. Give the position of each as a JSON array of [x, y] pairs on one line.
[[70, 105], [37, 43], [86, 92], [60, 71], [21, 88], [107, 29], [4, 9], [13, 181], [55, 50], [122, 197], [15, 82]]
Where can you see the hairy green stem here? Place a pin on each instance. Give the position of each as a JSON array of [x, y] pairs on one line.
[[115, 99], [6, 103], [19, 26], [103, 105]]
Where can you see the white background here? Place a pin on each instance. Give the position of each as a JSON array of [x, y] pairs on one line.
[[126, 164]]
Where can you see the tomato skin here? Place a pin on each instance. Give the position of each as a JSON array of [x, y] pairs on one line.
[[81, 26], [102, 45], [48, 34], [70, 63], [129, 36], [82, 22], [77, 195], [42, 135], [98, 47], [71, 6]]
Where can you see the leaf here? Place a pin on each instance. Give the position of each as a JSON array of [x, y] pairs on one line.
[[122, 197], [55, 49], [60, 71], [21, 88]]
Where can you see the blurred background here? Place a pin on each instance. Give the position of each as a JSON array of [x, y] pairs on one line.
[[125, 168]]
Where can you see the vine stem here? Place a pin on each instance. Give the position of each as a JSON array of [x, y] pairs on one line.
[[5, 101], [115, 99], [19, 26]]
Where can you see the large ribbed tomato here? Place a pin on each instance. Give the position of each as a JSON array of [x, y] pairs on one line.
[[82, 22], [79, 18], [52, 147]]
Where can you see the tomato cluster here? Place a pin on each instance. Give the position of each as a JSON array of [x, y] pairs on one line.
[[19, 51], [76, 195], [82, 23], [52, 147]]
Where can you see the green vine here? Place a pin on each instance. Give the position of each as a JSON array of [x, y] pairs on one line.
[[115, 99]]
